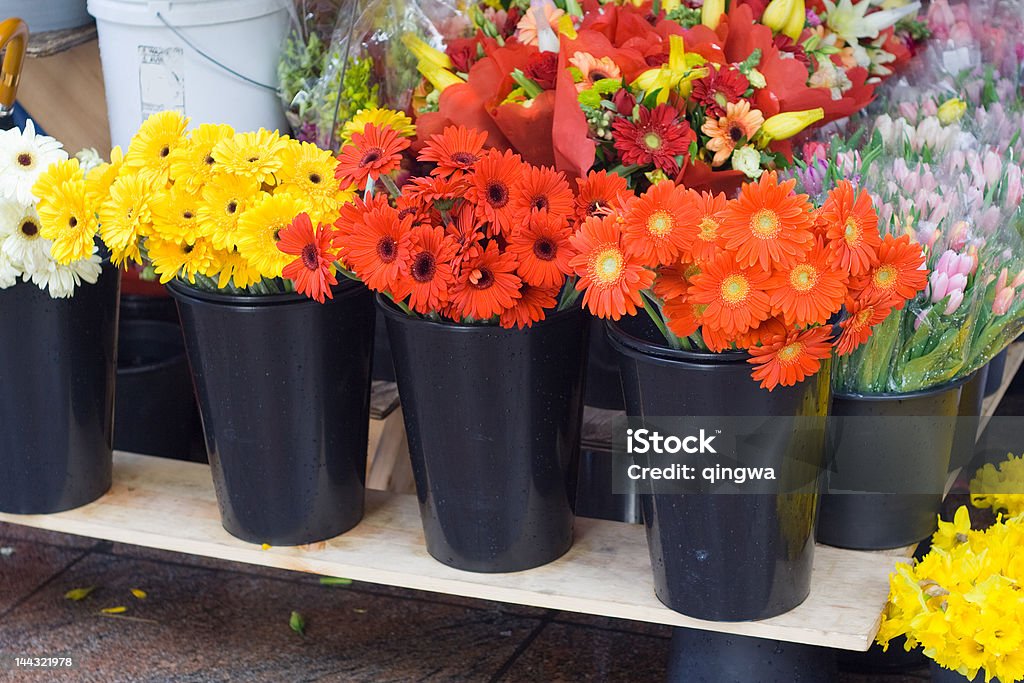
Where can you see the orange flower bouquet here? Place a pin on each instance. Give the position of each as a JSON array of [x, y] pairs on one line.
[[767, 272]]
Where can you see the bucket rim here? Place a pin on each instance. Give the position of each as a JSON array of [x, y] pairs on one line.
[[896, 395], [182, 12], [392, 311], [182, 292], [631, 345]]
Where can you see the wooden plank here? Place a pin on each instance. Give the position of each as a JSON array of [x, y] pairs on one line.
[[170, 505]]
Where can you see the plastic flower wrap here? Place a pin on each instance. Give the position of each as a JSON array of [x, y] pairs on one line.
[[345, 57], [962, 603], [56, 261], [1000, 487], [767, 272], [213, 207], [705, 98], [484, 238]]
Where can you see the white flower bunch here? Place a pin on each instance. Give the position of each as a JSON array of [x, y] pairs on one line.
[[24, 253]]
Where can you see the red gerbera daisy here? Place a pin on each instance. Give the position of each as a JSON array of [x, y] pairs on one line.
[[789, 359], [599, 192], [719, 87], [487, 284], [899, 275], [530, 307], [455, 151], [660, 224], [313, 269], [809, 292], [734, 294], [542, 189], [768, 224], [543, 250], [611, 281], [377, 249], [862, 315], [851, 228], [657, 138], [494, 180], [707, 242], [371, 154], [430, 268]]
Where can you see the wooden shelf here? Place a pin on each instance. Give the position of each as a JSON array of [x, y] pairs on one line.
[[170, 505], [1014, 360]]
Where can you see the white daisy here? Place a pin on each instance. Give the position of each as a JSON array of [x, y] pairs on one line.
[[61, 281], [8, 273], [23, 158], [20, 240]]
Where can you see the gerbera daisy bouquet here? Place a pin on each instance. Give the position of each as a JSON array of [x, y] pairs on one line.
[[768, 272], [218, 210], [28, 251], [482, 238]]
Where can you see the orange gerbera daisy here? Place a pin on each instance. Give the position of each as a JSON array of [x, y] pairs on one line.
[[809, 292], [313, 269], [377, 249], [542, 189], [707, 242], [899, 275], [611, 280], [673, 282], [530, 307], [789, 359], [661, 224], [425, 197], [430, 269], [494, 180], [768, 224], [851, 228], [598, 193], [734, 294], [682, 317], [465, 230], [543, 250], [740, 123], [716, 340], [862, 315], [594, 69], [371, 154], [487, 284], [763, 333], [455, 151]]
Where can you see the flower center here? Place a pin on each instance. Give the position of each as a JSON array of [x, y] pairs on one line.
[[423, 267], [595, 207], [25, 159], [73, 222], [30, 229], [310, 257], [387, 249], [209, 160], [735, 132], [652, 141], [885, 277], [606, 266], [539, 203], [187, 215], [596, 76], [497, 194], [790, 353], [863, 317], [464, 158], [188, 249], [803, 278], [708, 229], [372, 156], [660, 223], [232, 206], [164, 151], [545, 249], [481, 278], [765, 224], [735, 289], [852, 231], [315, 178]]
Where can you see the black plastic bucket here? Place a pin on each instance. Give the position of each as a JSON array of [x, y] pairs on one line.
[[156, 407], [57, 369], [965, 439], [283, 385], [996, 370], [709, 657], [888, 458], [493, 418], [737, 556]]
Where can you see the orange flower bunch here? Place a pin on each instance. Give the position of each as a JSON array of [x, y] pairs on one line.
[[766, 272], [483, 238]]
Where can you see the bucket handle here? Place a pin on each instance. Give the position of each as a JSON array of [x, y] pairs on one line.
[[213, 60], [14, 41]]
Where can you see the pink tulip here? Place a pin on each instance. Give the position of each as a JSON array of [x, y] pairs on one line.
[[956, 297], [1003, 301]]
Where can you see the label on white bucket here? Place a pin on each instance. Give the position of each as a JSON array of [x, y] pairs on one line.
[[161, 79]]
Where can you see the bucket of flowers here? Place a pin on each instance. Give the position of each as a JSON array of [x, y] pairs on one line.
[[59, 339], [722, 309], [471, 263], [230, 220]]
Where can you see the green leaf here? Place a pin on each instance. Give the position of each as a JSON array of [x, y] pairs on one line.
[[78, 594], [297, 623], [334, 581]]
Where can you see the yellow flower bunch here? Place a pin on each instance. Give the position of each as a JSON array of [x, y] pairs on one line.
[[1000, 487], [963, 602], [208, 203]]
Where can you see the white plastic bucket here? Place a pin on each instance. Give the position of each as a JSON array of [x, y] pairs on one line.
[[179, 55]]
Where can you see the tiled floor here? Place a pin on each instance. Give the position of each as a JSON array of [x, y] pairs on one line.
[[209, 620]]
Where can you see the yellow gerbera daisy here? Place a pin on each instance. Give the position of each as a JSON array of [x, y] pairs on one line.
[[308, 173], [151, 148], [126, 215], [172, 258], [402, 124], [99, 179], [56, 175], [193, 164], [223, 202], [258, 232], [121, 257], [251, 155], [236, 270], [67, 220], [175, 214]]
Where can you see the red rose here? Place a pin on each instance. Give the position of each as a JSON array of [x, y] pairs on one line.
[[542, 68]]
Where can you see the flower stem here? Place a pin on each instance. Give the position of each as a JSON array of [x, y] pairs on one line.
[[389, 184], [653, 311]]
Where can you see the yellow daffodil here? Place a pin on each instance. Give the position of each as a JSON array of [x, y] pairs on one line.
[[677, 75], [786, 125], [435, 65], [785, 16]]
